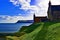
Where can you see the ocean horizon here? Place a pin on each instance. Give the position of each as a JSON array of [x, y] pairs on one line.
[[12, 27]]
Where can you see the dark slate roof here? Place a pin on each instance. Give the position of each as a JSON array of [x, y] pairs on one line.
[[55, 7]]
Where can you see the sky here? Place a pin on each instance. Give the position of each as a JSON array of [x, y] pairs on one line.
[[13, 10]]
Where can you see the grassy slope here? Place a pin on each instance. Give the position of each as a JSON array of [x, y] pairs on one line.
[[40, 31]]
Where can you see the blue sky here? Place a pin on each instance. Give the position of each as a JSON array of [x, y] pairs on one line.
[[7, 8], [14, 10]]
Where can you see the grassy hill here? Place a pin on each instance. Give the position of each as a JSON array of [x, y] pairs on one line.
[[38, 31]]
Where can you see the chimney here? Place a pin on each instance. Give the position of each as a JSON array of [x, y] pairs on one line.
[[49, 3], [49, 11]]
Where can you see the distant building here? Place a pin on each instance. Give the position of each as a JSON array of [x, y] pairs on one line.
[[53, 14], [39, 19]]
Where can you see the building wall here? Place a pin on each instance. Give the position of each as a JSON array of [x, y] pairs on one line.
[[40, 19], [53, 12], [37, 19], [56, 15]]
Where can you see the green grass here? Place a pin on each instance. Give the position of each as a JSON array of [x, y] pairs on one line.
[[39, 31]]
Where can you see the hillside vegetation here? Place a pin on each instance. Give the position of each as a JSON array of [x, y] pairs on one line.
[[38, 31]]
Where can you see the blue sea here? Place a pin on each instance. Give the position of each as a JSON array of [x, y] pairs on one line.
[[12, 27]]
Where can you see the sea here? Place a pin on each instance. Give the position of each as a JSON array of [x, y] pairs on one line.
[[12, 27]]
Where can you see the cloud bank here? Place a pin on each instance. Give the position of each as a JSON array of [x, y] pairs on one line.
[[55, 2], [14, 19], [40, 8]]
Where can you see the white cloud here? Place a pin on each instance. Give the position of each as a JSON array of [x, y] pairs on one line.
[[24, 3], [39, 8], [14, 19], [7, 19], [20, 14], [55, 2]]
